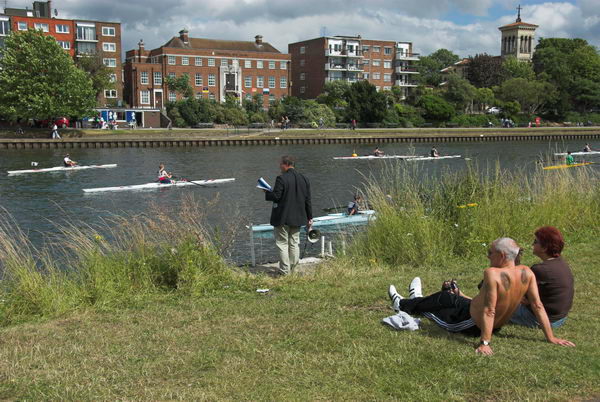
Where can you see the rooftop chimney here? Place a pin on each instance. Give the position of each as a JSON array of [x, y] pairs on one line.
[[258, 40], [141, 49], [183, 35]]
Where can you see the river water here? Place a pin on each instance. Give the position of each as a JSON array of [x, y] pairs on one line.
[[37, 201]]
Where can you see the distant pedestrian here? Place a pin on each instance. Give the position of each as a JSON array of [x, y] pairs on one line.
[[292, 209], [55, 135], [282, 123], [321, 124], [287, 122], [353, 124]]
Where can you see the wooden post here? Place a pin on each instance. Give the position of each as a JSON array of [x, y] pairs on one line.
[[252, 254]]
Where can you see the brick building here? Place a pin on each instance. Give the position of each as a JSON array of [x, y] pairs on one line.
[[77, 37], [350, 58], [216, 69]]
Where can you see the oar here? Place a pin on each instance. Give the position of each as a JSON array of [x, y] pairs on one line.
[[191, 182]]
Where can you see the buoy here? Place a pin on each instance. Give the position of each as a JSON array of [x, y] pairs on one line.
[[354, 155]]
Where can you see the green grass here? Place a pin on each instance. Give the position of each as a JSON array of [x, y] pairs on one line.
[[151, 312]]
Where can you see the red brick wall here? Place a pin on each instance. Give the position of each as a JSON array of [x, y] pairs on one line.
[[382, 57], [313, 69], [52, 23]]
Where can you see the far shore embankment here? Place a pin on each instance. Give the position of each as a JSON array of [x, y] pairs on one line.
[[155, 138]]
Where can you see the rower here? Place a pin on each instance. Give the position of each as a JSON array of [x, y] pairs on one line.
[[354, 154], [354, 206], [68, 162], [378, 152], [164, 177], [434, 152], [587, 148], [570, 159]]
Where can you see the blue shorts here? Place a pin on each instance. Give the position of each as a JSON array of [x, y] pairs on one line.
[[523, 316]]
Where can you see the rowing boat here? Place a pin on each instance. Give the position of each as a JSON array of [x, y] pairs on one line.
[[148, 186], [371, 157], [329, 220], [62, 168], [567, 166], [432, 158], [578, 153]]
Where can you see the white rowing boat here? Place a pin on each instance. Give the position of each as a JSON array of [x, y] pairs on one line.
[[62, 168], [432, 158], [148, 186], [370, 157], [329, 220], [578, 153]]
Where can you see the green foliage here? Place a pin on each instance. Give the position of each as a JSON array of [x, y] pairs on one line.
[[510, 109], [475, 120], [460, 92], [403, 115], [315, 112], [429, 66], [435, 108], [191, 111], [531, 95], [365, 104], [514, 68], [485, 71], [255, 105], [40, 81], [235, 116], [181, 85], [97, 71]]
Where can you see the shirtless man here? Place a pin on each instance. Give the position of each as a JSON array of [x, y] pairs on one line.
[[504, 285]]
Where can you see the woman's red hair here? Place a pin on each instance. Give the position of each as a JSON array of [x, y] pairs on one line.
[[551, 240]]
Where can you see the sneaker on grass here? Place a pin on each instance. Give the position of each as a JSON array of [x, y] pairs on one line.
[[395, 298], [414, 289]]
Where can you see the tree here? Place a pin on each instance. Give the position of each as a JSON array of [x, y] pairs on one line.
[[181, 85], [429, 67], [531, 95], [461, 93], [514, 68], [314, 112], [435, 108], [100, 75], [484, 97], [40, 81], [485, 71], [365, 104]]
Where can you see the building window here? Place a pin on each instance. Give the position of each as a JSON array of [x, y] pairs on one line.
[[144, 78], [185, 61], [60, 28], [113, 78], [259, 64], [198, 61], [260, 81], [211, 96], [283, 65], [224, 62], [376, 48], [172, 75], [376, 63], [365, 49], [157, 78], [247, 63], [387, 77], [198, 80], [41, 27], [271, 82], [366, 76], [387, 50], [271, 99], [376, 76], [248, 82], [302, 76], [110, 93], [212, 81], [86, 48], [248, 97], [22, 26], [211, 62], [387, 88], [109, 47], [172, 60], [387, 64], [366, 62], [172, 96], [108, 31], [85, 32], [198, 95], [302, 90], [145, 97], [302, 49], [283, 82], [378, 88], [110, 62], [271, 65], [64, 44], [302, 62]]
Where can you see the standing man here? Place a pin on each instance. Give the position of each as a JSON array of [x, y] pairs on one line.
[[55, 135], [291, 209]]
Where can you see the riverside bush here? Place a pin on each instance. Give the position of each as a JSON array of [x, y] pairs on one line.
[[424, 220]]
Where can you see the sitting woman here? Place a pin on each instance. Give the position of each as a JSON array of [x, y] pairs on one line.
[[554, 280]]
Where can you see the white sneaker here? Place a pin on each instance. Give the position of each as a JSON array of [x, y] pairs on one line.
[[395, 298], [414, 289]]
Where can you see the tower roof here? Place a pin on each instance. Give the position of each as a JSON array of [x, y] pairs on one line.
[[518, 24]]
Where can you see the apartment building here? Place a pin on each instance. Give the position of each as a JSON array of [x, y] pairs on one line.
[[216, 69], [350, 58], [77, 37]]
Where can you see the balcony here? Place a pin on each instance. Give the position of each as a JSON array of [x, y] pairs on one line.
[[406, 70], [406, 83], [407, 56], [343, 53], [343, 67]]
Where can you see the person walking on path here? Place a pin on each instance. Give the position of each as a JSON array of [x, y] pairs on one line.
[[55, 135], [292, 209]]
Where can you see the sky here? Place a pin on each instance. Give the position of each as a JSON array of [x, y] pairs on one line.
[[466, 27]]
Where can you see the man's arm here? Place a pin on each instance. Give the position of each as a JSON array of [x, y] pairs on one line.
[[308, 202], [277, 192], [540, 313], [489, 291]]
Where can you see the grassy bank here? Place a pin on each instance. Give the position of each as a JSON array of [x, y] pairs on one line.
[[205, 334]]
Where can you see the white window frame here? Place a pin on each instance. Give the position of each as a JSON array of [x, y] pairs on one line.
[[212, 78], [302, 90], [172, 60], [272, 81], [144, 80], [302, 49], [376, 63], [144, 97], [302, 62], [387, 77], [113, 77], [198, 81], [376, 49], [157, 78], [211, 96], [283, 65], [20, 26], [260, 81], [259, 64], [106, 31], [272, 65], [172, 96], [387, 50], [211, 62], [62, 44], [376, 76], [41, 26], [56, 28], [302, 76], [110, 62], [106, 47], [224, 62], [185, 61], [110, 93], [387, 64], [282, 82], [247, 63], [272, 98], [248, 81], [198, 61], [172, 75]]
